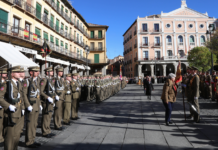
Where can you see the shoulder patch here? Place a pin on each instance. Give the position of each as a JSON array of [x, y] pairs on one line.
[[24, 85], [41, 83]]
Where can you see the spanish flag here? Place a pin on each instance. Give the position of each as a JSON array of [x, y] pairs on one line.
[[178, 74], [26, 33], [34, 36]]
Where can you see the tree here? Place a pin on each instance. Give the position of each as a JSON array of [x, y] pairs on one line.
[[212, 44], [200, 57]]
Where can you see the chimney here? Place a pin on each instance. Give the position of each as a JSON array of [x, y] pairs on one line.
[[183, 5]]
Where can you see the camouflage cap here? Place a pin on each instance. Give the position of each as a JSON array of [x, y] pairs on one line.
[[60, 69], [48, 69], [35, 68], [68, 75], [21, 69], [14, 69]]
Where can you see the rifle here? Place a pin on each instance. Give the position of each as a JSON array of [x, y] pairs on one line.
[[9, 98]]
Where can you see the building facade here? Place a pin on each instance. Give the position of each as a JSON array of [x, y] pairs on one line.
[[153, 45], [26, 24], [115, 66]]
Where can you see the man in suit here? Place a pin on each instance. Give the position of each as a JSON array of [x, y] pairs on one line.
[[148, 86], [194, 84]]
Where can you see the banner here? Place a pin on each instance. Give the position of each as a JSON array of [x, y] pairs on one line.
[[26, 33], [35, 37]]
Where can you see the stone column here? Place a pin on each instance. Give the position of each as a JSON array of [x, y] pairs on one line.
[[139, 70], [175, 66], [164, 69], [152, 70]]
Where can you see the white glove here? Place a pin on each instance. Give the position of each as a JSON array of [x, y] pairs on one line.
[[57, 98], [0, 106], [40, 107], [23, 111], [12, 108], [77, 88], [89, 85], [30, 108], [195, 98], [50, 99], [68, 92], [98, 86], [54, 105]]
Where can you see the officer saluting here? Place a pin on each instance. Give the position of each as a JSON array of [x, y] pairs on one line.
[[48, 95], [11, 101]]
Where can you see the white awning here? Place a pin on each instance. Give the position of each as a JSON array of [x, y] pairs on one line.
[[14, 57], [74, 65], [25, 50], [80, 67], [87, 67], [54, 60]]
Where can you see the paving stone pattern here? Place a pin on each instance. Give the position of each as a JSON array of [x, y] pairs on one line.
[[128, 121]]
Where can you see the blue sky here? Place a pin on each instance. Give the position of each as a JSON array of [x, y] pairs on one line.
[[120, 14]]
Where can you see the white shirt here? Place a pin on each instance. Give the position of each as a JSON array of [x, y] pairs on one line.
[[15, 82]]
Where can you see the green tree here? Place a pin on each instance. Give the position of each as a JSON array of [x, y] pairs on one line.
[[200, 57], [212, 44]]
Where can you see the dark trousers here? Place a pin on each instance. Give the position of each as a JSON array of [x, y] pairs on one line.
[[169, 108]]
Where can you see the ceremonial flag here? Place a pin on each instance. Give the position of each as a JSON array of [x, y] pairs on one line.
[[26, 33], [45, 50]]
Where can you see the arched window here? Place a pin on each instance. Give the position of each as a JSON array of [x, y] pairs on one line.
[[180, 39], [202, 40], [192, 40], [169, 40], [169, 53]]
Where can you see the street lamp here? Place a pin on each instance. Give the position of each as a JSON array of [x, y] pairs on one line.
[[208, 33], [87, 53]]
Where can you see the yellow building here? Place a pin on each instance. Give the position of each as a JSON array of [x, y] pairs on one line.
[[26, 24]]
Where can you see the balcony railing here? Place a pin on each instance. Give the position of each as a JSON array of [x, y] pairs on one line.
[[192, 44], [181, 44], [153, 58], [157, 30], [145, 44], [135, 45], [97, 49], [150, 58], [98, 61], [175, 57], [144, 31], [157, 44], [134, 32], [22, 34], [203, 44], [96, 37], [169, 43]]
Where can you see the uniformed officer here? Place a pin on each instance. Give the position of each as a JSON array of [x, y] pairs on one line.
[[75, 93], [48, 95], [12, 104], [68, 99], [194, 84], [202, 84], [32, 93], [59, 90], [3, 74], [208, 85], [88, 87], [213, 83], [98, 89]]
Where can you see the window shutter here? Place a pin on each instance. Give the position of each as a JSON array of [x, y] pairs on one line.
[[100, 34], [46, 36], [62, 44], [4, 20], [37, 31], [52, 39], [57, 42], [62, 26], [38, 11], [45, 11]]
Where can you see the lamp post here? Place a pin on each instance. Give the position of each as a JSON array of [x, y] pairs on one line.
[[87, 53], [208, 33]]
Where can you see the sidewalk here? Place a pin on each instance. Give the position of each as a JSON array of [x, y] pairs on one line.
[[128, 121]]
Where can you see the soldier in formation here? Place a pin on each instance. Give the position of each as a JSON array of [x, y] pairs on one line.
[[22, 98]]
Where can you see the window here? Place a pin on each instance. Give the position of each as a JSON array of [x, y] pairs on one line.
[[181, 53], [145, 41], [52, 21], [202, 40], [169, 40], [62, 26], [192, 40], [58, 4], [91, 34], [51, 39], [145, 55], [77, 37], [157, 41], [57, 42], [157, 55], [62, 44], [78, 23], [4, 21], [81, 39], [66, 46], [100, 46], [38, 11], [78, 52], [201, 26], [169, 53], [37, 32], [96, 58], [16, 24], [57, 25], [100, 34], [27, 31], [45, 16], [179, 25], [180, 40], [66, 11], [156, 27], [168, 25], [92, 46], [45, 36], [144, 27], [190, 26]]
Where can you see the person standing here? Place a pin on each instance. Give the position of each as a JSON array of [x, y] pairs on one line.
[[148, 86], [68, 99], [169, 97], [208, 85], [75, 92]]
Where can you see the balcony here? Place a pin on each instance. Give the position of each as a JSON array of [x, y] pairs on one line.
[[150, 58], [97, 37], [144, 31], [97, 49], [134, 33], [181, 43], [156, 31], [175, 58], [135, 45], [169, 43], [157, 44], [145, 44], [192, 44], [99, 61], [130, 36], [130, 49], [203, 44]]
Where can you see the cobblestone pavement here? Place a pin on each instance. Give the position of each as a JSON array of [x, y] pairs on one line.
[[128, 121]]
